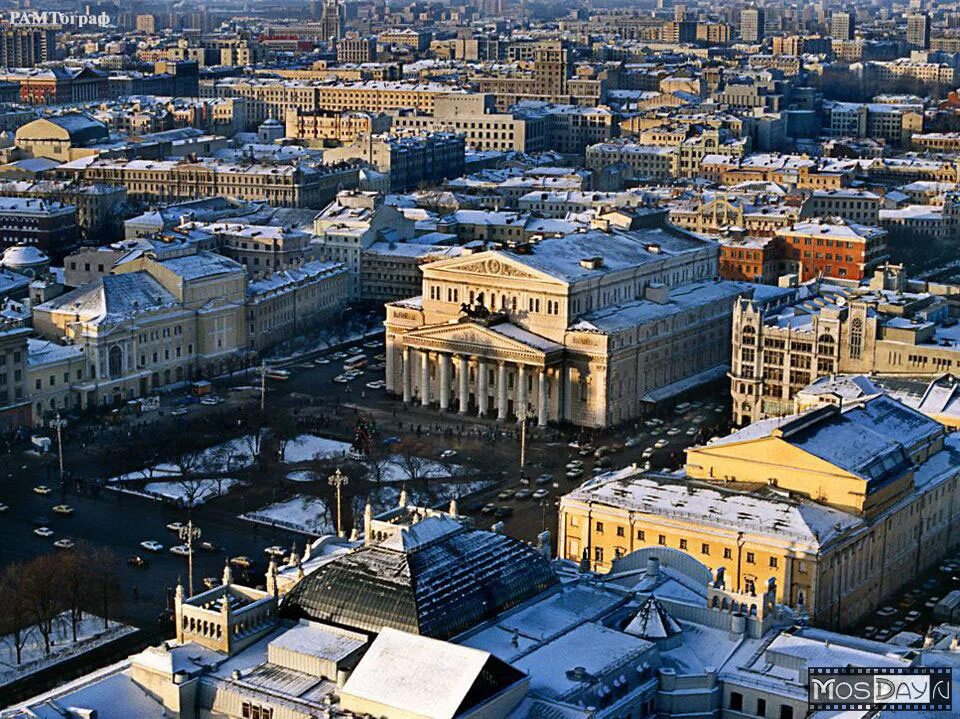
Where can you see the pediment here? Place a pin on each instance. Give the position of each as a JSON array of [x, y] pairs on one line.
[[488, 264]]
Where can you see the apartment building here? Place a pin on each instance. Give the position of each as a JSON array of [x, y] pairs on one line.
[[97, 205], [861, 207], [15, 407], [355, 49], [27, 46], [833, 248], [895, 123], [651, 163], [409, 161]]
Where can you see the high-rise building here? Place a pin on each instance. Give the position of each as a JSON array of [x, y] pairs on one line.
[[752, 21], [918, 31], [27, 46], [331, 20], [843, 26]]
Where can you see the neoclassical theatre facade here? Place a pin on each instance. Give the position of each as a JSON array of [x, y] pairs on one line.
[[584, 328]]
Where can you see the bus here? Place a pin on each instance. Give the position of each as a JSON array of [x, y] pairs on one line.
[[354, 363]]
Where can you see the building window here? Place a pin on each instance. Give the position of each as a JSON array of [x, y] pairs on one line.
[[704, 549], [598, 554], [856, 338], [751, 558], [736, 701], [761, 707], [727, 553], [599, 527], [641, 535], [662, 540], [773, 562], [683, 544], [786, 711]]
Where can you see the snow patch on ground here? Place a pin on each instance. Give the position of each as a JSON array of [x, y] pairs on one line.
[[303, 475], [306, 447], [90, 634], [233, 454], [180, 492]]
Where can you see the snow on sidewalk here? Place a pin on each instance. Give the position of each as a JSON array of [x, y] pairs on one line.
[[307, 515]]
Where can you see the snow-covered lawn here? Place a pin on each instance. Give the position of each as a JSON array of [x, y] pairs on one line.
[[308, 446], [387, 496], [233, 454], [180, 492], [309, 515], [394, 470], [90, 634]]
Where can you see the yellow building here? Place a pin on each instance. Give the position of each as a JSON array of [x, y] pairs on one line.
[[841, 508]]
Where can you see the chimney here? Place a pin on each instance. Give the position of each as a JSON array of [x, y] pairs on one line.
[[653, 567]]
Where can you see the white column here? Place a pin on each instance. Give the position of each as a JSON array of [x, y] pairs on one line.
[[407, 376], [391, 365], [482, 389], [521, 390], [502, 391], [542, 397], [425, 378], [444, 381], [464, 370]]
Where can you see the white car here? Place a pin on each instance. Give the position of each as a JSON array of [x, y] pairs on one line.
[[179, 412], [64, 509], [540, 493], [152, 546], [376, 384], [64, 543], [692, 431], [647, 453], [674, 431], [274, 551], [660, 443], [447, 453], [175, 526], [321, 361], [42, 489], [181, 550], [4, 507], [44, 532], [341, 379]]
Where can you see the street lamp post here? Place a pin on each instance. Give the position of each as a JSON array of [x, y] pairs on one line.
[[59, 424], [337, 480], [188, 534], [263, 387], [522, 419]]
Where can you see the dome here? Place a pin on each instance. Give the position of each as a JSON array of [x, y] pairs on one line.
[[270, 122], [24, 257], [438, 578]]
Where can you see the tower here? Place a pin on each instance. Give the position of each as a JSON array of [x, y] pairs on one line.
[[918, 31], [331, 21], [752, 22]]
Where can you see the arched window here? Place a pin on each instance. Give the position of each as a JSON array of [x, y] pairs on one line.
[[115, 361], [856, 338]]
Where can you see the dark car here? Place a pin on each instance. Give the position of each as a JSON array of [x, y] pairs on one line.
[[41, 522], [138, 562], [503, 512]]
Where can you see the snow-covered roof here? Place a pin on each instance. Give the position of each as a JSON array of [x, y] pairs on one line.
[[419, 676]]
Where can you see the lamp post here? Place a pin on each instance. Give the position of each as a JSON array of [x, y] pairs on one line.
[[337, 480], [522, 419], [263, 387], [188, 534], [58, 424]]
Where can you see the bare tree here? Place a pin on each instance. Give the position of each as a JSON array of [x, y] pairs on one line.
[[42, 578], [378, 461], [75, 575], [15, 607], [105, 592], [411, 457]]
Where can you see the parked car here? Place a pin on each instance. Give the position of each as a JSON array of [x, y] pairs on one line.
[[4, 507], [503, 512], [523, 494], [505, 494], [660, 443], [175, 526], [488, 509], [541, 493], [151, 546], [44, 532], [137, 561], [64, 509], [181, 550], [241, 561], [64, 543], [544, 479], [448, 453], [42, 489]]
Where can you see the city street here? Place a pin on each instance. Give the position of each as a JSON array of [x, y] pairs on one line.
[[323, 407]]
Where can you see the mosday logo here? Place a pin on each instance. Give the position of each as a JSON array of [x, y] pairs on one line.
[[865, 688], [30, 18]]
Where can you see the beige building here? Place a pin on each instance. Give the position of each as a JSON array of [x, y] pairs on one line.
[[644, 162], [475, 117], [52, 372], [878, 327], [186, 179], [837, 510], [61, 137], [590, 328], [323, 127]]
